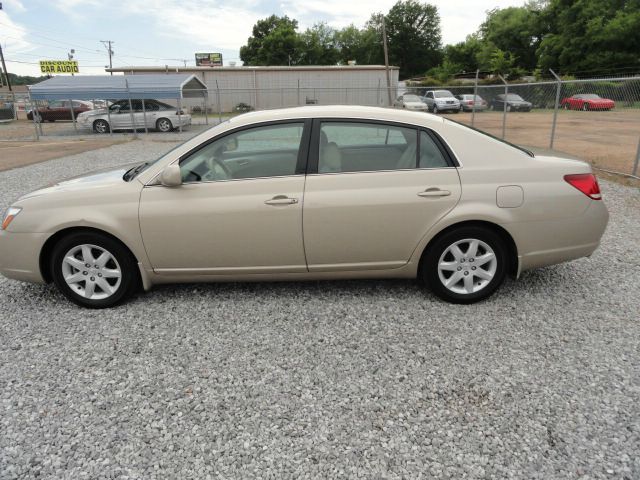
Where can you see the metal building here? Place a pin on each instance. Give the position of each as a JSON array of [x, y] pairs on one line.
[[274, 87]]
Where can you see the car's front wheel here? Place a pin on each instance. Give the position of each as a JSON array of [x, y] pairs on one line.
[[435, 109], [101, 126], [465, 265], [93, 270], [164, 125], [585, 107]]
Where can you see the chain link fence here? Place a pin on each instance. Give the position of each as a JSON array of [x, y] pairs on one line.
[[597, 120]]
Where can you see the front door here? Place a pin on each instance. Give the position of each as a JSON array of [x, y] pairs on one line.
[[378, 189], [239, 209]]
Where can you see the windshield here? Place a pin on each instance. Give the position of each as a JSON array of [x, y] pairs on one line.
[[528, 152], [513, 96], [588, 96], [442, 94], [411, 98], [138, 169]]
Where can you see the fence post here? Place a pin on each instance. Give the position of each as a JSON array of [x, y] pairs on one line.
[[180, 113], [504, 106], [205, 98], [475, 95], [635, 164], [109, 117], [144, 116], [33, 116], [219, 106], [73, 116], [133, 121], [555, 109], [298, 92]]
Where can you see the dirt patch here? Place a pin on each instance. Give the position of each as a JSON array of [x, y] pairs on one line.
[[21, 153], [606, 139]]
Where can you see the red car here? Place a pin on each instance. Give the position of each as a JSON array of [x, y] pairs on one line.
[[59, 110], [587, 101]]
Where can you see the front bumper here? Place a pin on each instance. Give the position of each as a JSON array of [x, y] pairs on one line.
[[448, 107], [20, 255]]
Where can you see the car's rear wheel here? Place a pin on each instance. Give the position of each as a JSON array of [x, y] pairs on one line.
[[164, 125], [93, 270], [465, 265], [101, 126]]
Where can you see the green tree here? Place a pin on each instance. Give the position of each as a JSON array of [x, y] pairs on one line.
[[362, 45], [516, 31], [274, 41], [318, 46], [413, 31], [591, 36]]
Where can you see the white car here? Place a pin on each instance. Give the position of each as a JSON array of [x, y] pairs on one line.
[[410, 102], [441, 101], [159, 116]]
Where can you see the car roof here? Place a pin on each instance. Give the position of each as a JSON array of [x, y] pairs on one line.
[[337, 111]]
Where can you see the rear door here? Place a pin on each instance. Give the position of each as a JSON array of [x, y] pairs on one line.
[[373, 191]]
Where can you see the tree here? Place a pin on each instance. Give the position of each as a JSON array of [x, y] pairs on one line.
[[589, 36], [364, 46], [517, 31], [413, 31], [274, 41], [317, 46]]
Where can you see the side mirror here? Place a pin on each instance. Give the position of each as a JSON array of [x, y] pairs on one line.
[[171, 176]]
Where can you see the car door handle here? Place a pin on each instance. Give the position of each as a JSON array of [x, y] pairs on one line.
[[281, 200], [434, 192]]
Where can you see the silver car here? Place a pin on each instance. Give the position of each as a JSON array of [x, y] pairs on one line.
[[441, 101], [153, 114], [410, 101]]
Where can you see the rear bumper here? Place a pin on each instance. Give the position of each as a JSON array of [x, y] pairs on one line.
[[562, 240], [20, 255]]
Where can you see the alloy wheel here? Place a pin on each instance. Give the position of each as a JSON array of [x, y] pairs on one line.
[[467, 266], [91, 271]]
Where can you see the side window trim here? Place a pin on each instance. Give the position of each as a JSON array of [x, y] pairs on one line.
[[314, 150], [303, 149]]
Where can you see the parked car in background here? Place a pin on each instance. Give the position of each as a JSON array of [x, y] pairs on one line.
[[467, 103], [441, 101], [59, 110], [515, 103], [159, 116], [242, 107], [410, 102], [586, 102], [310, 193]]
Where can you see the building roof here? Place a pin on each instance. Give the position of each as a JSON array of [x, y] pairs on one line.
[[176, 69], [89, 87]]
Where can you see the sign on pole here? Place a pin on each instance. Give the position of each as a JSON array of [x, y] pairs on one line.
[[208, 59], [59, 66]]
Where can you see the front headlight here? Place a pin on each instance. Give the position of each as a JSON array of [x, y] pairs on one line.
[[9, 215]]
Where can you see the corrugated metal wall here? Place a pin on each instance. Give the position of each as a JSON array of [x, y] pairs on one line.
[[263, 89]]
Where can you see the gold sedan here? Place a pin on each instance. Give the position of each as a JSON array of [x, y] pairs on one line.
[[307, 193]]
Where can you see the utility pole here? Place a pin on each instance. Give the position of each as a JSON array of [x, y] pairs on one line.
[[107, 45], [4, 68], [386, 60]]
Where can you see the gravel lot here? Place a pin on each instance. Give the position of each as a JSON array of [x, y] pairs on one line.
[[362, 379]]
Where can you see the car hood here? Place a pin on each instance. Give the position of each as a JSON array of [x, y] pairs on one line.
[[97, 179], [446, 99]]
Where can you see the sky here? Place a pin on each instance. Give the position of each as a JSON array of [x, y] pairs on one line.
[[169, 32]]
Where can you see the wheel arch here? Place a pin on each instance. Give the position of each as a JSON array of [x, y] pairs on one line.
[[47, 248], [512, 249]]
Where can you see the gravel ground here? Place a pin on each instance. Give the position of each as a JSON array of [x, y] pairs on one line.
[[362, 379]]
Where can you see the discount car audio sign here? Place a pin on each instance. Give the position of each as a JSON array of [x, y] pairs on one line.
[[59, 66]]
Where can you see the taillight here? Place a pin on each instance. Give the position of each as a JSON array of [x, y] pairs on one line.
[[587, 183]]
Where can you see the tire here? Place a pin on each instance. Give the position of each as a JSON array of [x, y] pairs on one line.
[[465, 291], [101, 126], [164, 125], [585, 107], [509, 108], [88, 288], [567, 106], [435, 109]]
